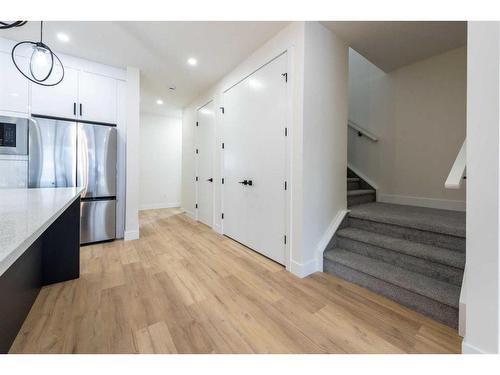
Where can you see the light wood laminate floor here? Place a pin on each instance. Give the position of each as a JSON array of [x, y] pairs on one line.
[[182, 288]]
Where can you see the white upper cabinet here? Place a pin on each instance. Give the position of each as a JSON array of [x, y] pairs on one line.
[[57, 101], [14, 88], [97, 98]]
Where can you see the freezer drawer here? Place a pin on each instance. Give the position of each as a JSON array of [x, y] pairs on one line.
[[97, 222], [96, 170]]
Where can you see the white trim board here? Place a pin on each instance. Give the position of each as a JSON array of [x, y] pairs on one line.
[[189, 214], [444, 204], [303, 269], [327, 237], [471, 349], [156, 206], [131, 235], [316, 265], [363, 176]]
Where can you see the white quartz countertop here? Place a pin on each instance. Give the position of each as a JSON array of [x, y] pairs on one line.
[[25, 214]]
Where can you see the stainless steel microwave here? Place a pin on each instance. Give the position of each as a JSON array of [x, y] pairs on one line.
[[13, 135]]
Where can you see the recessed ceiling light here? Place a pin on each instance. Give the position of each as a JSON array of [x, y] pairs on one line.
[[63, 37], [159, 102], [192, 61]]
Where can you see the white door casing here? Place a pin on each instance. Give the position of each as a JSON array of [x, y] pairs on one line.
[[254, 124], [206, 181]]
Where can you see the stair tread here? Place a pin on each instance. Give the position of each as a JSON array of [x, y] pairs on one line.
[[428, 252], [422, 218], [355, 192], [437, 290]]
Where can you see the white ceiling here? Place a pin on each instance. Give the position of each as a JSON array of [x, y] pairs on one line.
[[160, 51], [393, 44]]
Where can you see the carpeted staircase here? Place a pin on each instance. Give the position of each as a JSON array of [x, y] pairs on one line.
[[413, 255]]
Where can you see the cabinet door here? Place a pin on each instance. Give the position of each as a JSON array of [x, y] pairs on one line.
[[97, 96], [59, 100], [13, 86]]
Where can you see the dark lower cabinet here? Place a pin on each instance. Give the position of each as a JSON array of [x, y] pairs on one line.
[[52, 258]]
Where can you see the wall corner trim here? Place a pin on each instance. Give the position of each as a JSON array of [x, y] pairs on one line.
[[303, 269], [131, 235], [327, 236]]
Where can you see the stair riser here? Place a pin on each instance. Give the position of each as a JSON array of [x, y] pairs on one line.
[[360, 199], [354, 185], [435, 270], [425, 237], [436, 310]]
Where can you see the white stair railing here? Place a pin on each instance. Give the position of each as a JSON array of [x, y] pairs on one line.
[[361, 131], [457, 172]]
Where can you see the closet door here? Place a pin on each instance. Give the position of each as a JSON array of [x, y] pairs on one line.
[[205, 183], [254, 136]]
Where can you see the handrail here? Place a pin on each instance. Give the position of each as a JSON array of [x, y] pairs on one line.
[[362, 131], [457, 172]]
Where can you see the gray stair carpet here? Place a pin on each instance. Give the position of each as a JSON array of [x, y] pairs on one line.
[[413, 255], [431, 261]]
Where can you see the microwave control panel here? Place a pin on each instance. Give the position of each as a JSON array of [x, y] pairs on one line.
[[7, 134]]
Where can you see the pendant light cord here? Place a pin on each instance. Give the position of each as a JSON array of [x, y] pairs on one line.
[[41, 31]]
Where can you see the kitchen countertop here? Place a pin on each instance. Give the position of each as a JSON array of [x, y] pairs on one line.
[[25, 214]]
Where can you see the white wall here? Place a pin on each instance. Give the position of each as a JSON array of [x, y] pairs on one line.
[[418, 113], [324, 140], [483, 138], [160, 165], [316, 137], [132, 153]]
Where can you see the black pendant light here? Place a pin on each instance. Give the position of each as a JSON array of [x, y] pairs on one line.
[[7, 25], [41, 64]]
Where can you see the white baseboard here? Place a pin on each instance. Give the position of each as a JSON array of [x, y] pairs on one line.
[[156, 206], [471, 349], [217, 228], [444, 204], [327, 236], [130, 235], [303, 269], [190, 214]]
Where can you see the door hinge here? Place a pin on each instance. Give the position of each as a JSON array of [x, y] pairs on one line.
[[222, 215], [222, 109], [196, 178], [286, 132], [222, 180], [284, 238], [196, 150], [285, 185], [196, 205], [286, 76], [196, 123], [223, 145]]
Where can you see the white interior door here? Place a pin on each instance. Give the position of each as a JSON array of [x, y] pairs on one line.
[[205, 184], [255, 153]]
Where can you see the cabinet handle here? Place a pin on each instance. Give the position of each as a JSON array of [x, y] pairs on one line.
[[74, 109], [81, 112]]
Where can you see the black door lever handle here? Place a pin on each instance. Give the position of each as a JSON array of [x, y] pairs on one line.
[[244, 182], [250, 182], [210, 179]]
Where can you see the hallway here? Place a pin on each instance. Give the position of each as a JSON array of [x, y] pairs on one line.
[[182, 288]]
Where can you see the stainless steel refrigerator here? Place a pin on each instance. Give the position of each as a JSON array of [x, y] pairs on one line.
[[65, 153]]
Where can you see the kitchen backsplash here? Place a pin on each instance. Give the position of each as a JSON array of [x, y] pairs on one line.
[[13, 171]]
